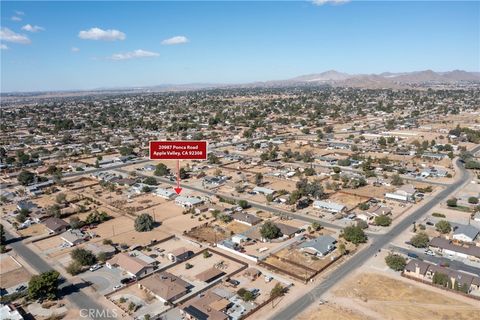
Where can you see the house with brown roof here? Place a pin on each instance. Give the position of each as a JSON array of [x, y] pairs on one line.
[[165, 286], [56, 225], [458, 280], [210, 275], [133, 265], [180, 254], [450, 248], [205, 306], [246, 218]]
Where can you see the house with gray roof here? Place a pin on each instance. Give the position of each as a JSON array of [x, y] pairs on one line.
[[465, 233], [331, 207], [320, 246]]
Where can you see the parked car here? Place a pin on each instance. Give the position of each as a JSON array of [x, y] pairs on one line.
[[21, 288], [268, 278], [412, 255], [118, 286], [127, 280], [233, 282], [95, 267], [429, 253]]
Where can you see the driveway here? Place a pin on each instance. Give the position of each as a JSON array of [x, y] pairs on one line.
[[104, 279]]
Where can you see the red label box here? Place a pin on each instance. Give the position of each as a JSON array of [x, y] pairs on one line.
[[178, 150]]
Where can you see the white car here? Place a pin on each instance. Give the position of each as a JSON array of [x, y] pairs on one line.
[[95, 267], [429, 253], [118, 286]]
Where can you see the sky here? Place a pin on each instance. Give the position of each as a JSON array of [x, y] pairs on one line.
[[88, 45]]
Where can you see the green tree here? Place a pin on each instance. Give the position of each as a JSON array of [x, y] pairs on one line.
[[397, 180], [441, 279], [270, 231], [74, 268], [25, 177], [61, 198], [473, 200], [354, 234], [151, 181], [83, 257], [452, 202], [144, 222], [420, 240], [2, 239], [443, 226], [102, 256], [277, 292], [316, 226], [161, 170], [383, 220], [243, 204], [258, 178], [396, 262], [44, 285], [213, 159]]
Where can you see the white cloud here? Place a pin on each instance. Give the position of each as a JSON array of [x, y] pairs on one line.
[[75, 49], [10, 36], [322, 2], [99, 34], [175, 40], [133, 55], [30, 28], [15, 18], [3, 46], [19, 13]]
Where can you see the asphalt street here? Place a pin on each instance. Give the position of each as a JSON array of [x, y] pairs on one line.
[[71, 291]]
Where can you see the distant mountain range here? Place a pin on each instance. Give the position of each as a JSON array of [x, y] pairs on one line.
[[383, 80], [327, 78]]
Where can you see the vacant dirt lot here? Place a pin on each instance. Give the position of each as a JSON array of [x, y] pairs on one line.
[[11, 272], [33, 230], [208, 234], [7, 264], [305, 259], [331, 312], [348, 199], [50, 243], [389, 298], [237, 227], [284, 265]]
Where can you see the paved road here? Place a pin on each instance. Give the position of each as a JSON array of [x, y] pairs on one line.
[[454, 264], [71, 291], [378, 242]]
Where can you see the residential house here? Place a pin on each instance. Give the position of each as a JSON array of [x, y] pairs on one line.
[[188, 202], [55, 225], [449, 248], [264, 191], [209, 275], [405, 193], [164, 193], [425, 271], [74, 237], [206, 306], [465, 233], [328, 206], [180, 254], [320, 246], [165, 286], [246, 218], [133, 265]]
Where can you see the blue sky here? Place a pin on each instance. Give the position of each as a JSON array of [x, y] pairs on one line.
[[227, 42]]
